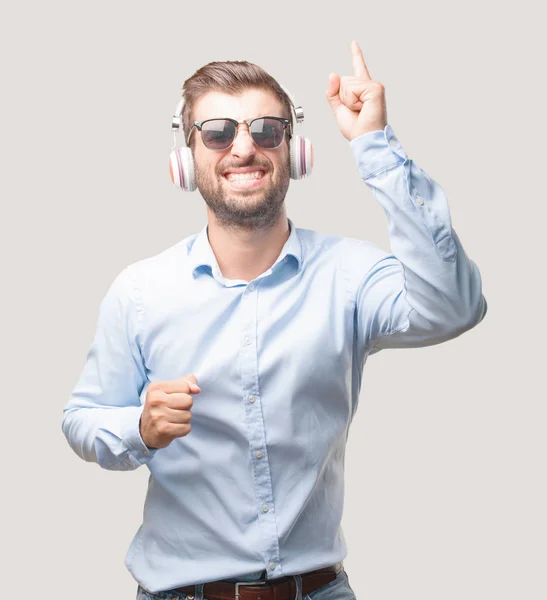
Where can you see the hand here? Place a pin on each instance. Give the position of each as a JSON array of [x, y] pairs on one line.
[[358, 102], [166, 412]]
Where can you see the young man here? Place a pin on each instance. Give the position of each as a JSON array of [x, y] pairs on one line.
[[275, 324]]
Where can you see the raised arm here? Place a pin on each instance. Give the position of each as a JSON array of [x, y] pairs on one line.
[[426, 290]]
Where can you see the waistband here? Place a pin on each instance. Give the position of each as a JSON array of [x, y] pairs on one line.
[[280, 588]]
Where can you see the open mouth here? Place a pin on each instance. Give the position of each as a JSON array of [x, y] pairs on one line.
[[245, 180]]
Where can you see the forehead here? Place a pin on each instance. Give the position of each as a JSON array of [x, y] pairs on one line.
[[251, 103]]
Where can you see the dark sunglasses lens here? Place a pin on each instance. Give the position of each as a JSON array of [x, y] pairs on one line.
[[267, 132], [218, 133]]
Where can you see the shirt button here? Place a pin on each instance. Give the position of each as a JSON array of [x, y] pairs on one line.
[[272, 565], [251, 287], [393, 143], [252, 398], [265, 508], [248, 339], [258, 453], [419, 200]]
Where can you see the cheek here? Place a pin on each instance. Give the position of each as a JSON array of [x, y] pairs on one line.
[[207, 169], [281, 163]]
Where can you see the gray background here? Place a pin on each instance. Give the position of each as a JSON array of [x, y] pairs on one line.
[[445, 466]]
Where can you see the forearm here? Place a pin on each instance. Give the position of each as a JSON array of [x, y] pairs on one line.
[[108, 436], [439, 287]]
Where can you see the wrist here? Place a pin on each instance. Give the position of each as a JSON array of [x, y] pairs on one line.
[[142, 438], [367, 130]]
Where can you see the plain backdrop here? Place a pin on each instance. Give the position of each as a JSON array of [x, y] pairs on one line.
[[445, 489]]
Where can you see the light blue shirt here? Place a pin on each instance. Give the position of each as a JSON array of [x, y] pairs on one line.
[[258, 483]]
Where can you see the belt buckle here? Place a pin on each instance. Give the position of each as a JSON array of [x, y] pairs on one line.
[[238, 583]]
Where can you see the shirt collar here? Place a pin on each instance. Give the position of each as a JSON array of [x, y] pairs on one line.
[[201, 254]]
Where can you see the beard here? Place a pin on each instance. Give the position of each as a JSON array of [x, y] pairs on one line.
[[251, 209]]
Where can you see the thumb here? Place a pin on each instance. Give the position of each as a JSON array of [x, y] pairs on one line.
[[332, 93], [192, 381]]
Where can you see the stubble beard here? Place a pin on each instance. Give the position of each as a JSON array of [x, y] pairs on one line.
[[251, 209]]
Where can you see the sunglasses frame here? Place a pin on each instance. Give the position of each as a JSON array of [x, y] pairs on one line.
[[198, 125]]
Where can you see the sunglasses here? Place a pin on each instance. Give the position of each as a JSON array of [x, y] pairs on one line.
[[219, 134]]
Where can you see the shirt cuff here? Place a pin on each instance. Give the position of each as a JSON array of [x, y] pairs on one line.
[[132, 437], [377, 151]]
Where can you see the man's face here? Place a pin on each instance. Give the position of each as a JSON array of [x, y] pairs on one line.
[[247, 205]]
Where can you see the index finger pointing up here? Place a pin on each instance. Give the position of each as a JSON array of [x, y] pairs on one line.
[[359, 67]]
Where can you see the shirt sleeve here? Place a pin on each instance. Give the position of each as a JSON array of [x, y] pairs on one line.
[[426, 290], [101, 418]]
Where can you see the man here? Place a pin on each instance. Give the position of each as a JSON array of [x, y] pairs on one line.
[[257, 332]]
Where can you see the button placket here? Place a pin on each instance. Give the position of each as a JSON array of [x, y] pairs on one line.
[[255, 425]]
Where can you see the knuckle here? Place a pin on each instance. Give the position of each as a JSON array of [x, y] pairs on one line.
[[155, 420], [162, 428], [155, 398]]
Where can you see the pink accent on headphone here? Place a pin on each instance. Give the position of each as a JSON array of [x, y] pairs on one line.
[[181, 170]]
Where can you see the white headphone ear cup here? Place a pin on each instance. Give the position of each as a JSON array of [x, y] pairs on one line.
[[301, 156], [181, 169]]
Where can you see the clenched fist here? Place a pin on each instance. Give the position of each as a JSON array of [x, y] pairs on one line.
[[166, 414]]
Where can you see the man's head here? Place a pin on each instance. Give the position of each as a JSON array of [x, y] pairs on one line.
[[240, 91]]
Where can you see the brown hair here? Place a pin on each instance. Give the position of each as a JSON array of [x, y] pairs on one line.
[[229, 77]]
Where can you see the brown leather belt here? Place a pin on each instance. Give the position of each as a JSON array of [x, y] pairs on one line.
[[281, 588]]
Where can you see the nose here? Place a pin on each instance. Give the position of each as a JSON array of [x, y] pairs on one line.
[[243, 145]]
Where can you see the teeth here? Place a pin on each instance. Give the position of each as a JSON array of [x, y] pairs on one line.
[[244, 176]]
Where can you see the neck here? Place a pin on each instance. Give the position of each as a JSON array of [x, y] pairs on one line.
[[247, 253]]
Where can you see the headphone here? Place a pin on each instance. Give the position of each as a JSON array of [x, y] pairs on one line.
[[181, 161]]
